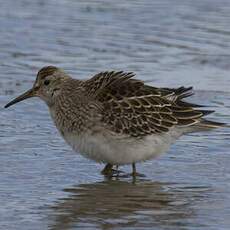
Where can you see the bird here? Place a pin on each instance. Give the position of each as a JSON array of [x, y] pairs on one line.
[[114, 118]]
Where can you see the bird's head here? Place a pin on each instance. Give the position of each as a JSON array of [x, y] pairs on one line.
[[46, 86]]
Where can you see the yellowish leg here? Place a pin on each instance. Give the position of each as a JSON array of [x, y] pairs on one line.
[[134, 173], [108, 169]]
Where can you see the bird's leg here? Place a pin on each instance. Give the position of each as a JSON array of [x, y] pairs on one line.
[[134, 173], [108, 170], [117, 170]]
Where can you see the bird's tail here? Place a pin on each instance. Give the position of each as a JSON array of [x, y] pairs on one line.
[[205, 124]]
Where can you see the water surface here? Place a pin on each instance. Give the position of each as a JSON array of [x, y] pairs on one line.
[[44, 184]]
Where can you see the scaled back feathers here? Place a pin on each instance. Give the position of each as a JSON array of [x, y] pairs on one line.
[[133, 108]]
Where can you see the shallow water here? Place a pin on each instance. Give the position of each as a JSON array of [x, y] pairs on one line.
[[44, 184]]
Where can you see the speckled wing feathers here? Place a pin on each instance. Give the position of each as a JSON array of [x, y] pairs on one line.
[[106, 82], [133, 108]]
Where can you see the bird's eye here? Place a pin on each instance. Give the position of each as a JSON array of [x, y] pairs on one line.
[[46, 82]]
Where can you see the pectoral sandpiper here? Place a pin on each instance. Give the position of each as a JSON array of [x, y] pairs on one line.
[[115, 119]]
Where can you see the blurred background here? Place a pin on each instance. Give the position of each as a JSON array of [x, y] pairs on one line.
[[43, 183]]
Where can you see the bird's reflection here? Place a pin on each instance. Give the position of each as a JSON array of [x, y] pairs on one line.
[[110, 204]]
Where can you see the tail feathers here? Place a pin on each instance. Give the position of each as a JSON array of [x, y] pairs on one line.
[[207, 124], [188, 104], [189, 114], [205, 112], [183, 92]]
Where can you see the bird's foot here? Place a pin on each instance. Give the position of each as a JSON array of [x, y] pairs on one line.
[[136, 174], [109, 171]]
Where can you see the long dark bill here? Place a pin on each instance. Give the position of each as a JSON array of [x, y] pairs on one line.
[[27, 94]]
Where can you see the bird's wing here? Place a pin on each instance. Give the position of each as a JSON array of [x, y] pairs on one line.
[[114, 83], [133, 108]]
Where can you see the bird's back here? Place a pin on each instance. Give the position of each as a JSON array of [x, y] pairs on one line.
[[133, 108]]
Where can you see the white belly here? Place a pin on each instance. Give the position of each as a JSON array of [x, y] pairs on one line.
[[111, 149]]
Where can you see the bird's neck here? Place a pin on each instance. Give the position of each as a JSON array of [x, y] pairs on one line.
[[73, 115]]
